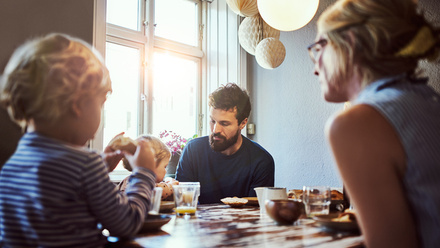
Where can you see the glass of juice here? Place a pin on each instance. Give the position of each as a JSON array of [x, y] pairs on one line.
[[186, 197]]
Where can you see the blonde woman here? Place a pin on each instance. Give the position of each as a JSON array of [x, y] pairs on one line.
[[387, 144], [55, 192], [162, 155]]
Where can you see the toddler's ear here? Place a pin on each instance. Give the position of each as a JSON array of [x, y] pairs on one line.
[[78, 105], [75, 108]]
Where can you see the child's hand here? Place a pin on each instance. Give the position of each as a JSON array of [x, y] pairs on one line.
[[111, 158], [143, 157], [171, 181]]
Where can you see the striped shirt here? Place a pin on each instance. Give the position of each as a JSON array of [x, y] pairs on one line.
[[413, 109], [56, 195]]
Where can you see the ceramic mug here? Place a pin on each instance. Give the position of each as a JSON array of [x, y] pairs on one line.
[[275, 193], [269, 193]]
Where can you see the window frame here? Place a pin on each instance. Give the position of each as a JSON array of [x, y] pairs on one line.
[[145, 37]]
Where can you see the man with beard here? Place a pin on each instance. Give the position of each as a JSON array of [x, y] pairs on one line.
[[226, 163]]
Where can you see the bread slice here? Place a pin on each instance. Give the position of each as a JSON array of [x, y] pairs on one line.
[[123, 143]]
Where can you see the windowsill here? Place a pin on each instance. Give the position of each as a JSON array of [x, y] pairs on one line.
[[117, 176]]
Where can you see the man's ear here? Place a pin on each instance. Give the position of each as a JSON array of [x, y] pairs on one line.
[[243, 123]]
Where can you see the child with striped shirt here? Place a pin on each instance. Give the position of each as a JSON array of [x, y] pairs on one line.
[[55, 192]]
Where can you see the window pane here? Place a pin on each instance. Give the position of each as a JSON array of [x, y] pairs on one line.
[[175, 94], [124, 13], [121, 108], [177, 20]]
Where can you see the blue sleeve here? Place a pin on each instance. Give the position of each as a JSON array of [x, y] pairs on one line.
[[122, 214], [185, 168], [264, 175]]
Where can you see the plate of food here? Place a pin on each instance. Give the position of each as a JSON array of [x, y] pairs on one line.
[[154, 222], [345, 221], [234, 202], [252, 201], [166, 206]]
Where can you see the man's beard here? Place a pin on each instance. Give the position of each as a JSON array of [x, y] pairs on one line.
[[221, 145]]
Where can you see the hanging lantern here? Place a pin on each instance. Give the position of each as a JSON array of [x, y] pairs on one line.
[[252, 30], [244, 8], [287, 15], [270, 53]]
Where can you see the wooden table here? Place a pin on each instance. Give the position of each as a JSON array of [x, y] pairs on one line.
[[223, 226]]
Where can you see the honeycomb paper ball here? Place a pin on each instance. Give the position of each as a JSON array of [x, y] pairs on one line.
[[270, 53], [252, 30], [243, 7]]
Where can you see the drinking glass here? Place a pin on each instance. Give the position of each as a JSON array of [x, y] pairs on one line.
[[186, 197], [156, 197], [317, 200]]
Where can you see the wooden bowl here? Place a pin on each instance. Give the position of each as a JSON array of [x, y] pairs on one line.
[[285, 212]]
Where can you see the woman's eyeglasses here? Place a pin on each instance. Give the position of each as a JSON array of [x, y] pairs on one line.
[[315, 48]]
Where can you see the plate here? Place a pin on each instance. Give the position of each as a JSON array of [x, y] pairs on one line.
[[327, 222], [166, 206], [252, 201], [154, 222]]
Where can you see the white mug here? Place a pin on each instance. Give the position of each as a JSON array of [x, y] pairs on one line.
[[269, 193], [275, 193]]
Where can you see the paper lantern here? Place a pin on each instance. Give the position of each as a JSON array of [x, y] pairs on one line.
[[243, 7], [252, 30], [270, 53], [287, 15]]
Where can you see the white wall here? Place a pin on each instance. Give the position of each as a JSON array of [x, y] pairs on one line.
[[290, 113]]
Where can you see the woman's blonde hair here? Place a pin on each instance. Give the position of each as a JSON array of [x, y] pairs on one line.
[[45, 75], [382, 37], [161, 150]]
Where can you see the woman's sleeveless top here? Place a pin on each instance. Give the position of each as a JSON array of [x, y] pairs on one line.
[[413, 109]]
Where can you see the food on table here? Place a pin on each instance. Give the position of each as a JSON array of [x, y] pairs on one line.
[[336, 195], [123, 143], [347, 216], [297, 194], [234, 201]]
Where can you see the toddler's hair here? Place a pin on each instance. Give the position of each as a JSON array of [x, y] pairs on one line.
[[45, 75], [161, 150]]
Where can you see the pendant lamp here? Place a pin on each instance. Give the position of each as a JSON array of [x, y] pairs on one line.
[[287, 15]]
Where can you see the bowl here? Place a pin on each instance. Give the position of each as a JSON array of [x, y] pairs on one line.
[[154, 222], [166, 206], [285, 212]]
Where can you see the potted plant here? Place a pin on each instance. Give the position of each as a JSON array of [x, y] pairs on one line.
[[176, 143]]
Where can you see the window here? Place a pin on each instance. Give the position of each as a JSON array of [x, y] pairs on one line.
[[154, 55]]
